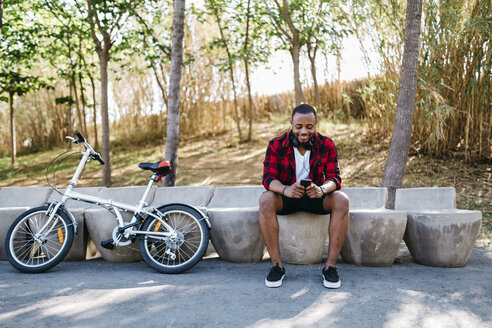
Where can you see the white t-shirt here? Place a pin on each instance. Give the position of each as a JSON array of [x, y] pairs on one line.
[[302, 164]]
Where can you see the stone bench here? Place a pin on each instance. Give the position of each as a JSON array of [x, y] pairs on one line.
[[302, 237], [437, 233], [101, 223], [375, 233], [236, 235], [13, 202], [233, 214], [78, 251]]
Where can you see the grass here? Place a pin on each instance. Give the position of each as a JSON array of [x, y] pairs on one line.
[[222, 160]]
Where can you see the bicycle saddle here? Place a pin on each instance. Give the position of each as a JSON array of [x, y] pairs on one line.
[[161, 168]]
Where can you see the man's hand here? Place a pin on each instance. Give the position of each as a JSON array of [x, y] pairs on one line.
[[294, 191], [313, 191]]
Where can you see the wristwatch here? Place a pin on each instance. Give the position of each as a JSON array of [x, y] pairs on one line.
[[323, 189]]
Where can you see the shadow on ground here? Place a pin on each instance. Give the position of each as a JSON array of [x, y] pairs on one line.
[[221, 294]]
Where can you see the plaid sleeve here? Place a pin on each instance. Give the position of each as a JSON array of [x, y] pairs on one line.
[[270, 164], [332, 170]]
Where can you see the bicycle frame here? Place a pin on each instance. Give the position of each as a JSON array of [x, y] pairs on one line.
[[113, 205]]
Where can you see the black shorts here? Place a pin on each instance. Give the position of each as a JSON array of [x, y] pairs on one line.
[[312, 205]]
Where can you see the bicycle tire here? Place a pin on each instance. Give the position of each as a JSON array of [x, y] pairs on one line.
[[190, 246], [29, 256]]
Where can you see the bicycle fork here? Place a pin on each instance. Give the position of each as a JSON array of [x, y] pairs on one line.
[[53, 208]]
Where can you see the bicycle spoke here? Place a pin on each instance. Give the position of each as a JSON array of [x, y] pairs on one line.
[[28, 232], [27, 251], [180, 252], [24, 254]]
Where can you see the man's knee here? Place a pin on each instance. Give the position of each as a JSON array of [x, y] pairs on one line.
[[339, 202], [268, 202], [342, 200]]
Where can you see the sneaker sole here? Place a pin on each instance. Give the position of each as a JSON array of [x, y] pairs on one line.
[[274, 284], [329, 284]]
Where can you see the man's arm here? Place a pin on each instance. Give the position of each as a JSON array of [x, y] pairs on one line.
[[314, 191], [292, 191], [271, 167], [332, 167], [332, 181]]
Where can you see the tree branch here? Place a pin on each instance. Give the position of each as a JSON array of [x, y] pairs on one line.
[[287, 19], [279, 28], [91, 23]]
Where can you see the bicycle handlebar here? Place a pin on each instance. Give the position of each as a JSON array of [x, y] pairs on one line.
[[97, 157], [93, 154], [79, 135]]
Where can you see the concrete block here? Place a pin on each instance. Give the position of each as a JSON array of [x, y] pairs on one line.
[[128, 195], [442, 238], [373, 236], [302, 237], [24, 196], [73, 203], [415, 199], [198, 196], [366, 197], [100, 224], [79, 245], [374, 233], [241, 196], [78, 250], [8, 216], [234, 217], [437, 233], [13, 202], [236, 234]]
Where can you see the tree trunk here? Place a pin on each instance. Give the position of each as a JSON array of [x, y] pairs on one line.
[[103, 64], [13, 148], [402, 129], [246, 66], [102, 50], [162, 85], [77, 102], [250, 101], [94, 116], [312, 59], [69, 112], [295, 50], [231, 72], [236, 111], [1, 16], [84, 102], [172, 133]]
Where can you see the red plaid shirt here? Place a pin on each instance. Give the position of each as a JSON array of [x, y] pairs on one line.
[[280, 164]]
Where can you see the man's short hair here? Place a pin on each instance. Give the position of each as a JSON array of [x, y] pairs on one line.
[[304, 109]]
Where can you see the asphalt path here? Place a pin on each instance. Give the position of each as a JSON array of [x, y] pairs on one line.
[[215, 293]]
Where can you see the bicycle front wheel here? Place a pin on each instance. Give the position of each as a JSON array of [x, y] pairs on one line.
[[175, 255], [32, 253]]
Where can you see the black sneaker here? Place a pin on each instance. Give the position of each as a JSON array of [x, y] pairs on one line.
[[330, 278], [275, 277]]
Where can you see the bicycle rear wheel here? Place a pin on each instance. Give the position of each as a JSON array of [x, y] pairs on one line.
[[188, 247], [34, 255]]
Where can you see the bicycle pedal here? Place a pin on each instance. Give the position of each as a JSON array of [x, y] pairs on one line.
[[108, 244]]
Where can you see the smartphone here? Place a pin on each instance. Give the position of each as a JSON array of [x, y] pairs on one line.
[[305, 182]]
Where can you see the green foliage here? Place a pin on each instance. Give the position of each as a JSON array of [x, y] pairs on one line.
[[49, 39], [453, 92], [18, 46], [233, 18]]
